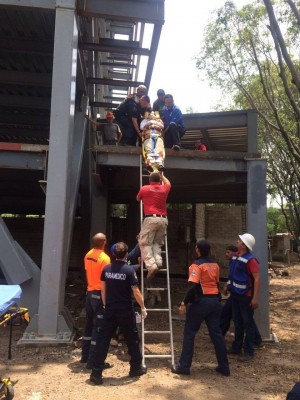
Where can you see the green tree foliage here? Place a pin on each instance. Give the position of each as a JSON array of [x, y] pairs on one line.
[[276, 221], [253, 54]]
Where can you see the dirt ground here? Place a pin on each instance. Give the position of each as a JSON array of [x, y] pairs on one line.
[[56, 374]]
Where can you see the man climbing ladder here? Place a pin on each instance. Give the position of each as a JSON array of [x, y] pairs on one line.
[[154, 226]]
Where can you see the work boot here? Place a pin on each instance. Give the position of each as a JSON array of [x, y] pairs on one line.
[[232, 351], [83, 359], [176, 369], [96, 377], [225, 372], [106, 365], [245, 358], [137, 371], [259, 346]]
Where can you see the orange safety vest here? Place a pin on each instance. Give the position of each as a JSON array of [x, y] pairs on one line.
[[94, 262], [206, 275]]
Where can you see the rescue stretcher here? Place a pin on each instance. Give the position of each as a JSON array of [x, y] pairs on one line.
[[9, 313]]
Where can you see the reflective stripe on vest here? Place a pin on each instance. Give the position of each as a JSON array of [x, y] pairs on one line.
[[238, 281], [239, 286]]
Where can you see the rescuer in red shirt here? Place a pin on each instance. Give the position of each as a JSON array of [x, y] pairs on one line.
[[154, 227]]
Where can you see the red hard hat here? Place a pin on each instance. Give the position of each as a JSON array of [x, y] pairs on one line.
[[109, 115]]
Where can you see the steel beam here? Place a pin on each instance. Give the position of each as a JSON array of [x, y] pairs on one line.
[[104, 104], [216, 120], [112, 82], [78, 146], [22, 160], [25, 78], [52, 318], [120, 75], [77, 156], [25, 101], [257, 226], [21, 132], [19, 269], [24, 120], [22, 205], [153, 50], [252, 131], [114, 98], [117, 64], [124, 10], [115, 48], [121, 29], [81, 73], [190, 196], [35, 4], [99, 208], [177, 163], [120, 58], [23, 45]]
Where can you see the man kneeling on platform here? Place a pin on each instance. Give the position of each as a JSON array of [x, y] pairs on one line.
[[153, 144]]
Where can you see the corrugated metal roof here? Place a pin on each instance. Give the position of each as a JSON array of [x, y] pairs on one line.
[[219, 139]]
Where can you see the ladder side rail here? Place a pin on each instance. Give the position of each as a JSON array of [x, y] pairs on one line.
[[169, 301], [169, 309], [142, 267]]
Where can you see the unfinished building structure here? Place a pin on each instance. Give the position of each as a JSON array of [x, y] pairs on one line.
[[60, 59]]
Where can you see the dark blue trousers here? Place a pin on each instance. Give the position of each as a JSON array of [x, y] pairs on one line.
[[226, 317], [172, 135], [206, 309], [244, 323], [94, 312], [112, 318], [129, 135]]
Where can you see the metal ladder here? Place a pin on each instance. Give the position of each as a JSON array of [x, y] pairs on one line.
[[167, 310]]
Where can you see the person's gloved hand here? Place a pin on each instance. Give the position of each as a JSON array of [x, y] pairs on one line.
[[144, 313]]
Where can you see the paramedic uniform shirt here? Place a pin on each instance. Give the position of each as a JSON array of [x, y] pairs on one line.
[[119, 277]]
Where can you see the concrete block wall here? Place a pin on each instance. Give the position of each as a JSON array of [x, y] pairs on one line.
[[223, 225], [200, 221], [179, 249]]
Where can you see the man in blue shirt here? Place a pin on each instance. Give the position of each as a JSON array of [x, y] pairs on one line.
[[119, 281], [174, 128]]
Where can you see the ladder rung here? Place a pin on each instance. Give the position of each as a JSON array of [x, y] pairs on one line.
[[157, 355], [162, 332], [159, 270], [156, 288], [157, 309]]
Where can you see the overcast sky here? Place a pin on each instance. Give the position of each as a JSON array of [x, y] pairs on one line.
[[175, 70]]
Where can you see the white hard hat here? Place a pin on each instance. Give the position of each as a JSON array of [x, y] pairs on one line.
[[248, 240]]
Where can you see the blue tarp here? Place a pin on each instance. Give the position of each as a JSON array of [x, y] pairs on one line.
[[9, 294]]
